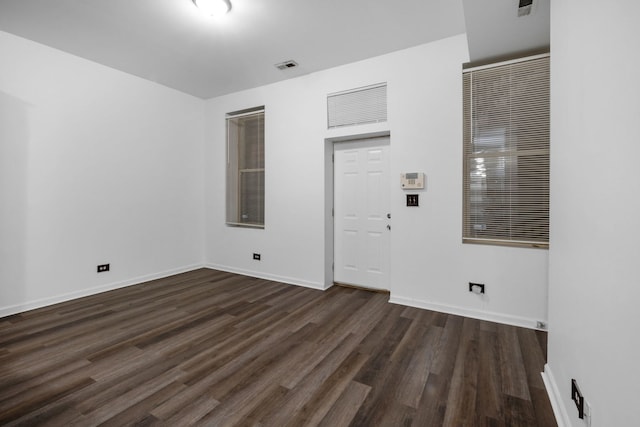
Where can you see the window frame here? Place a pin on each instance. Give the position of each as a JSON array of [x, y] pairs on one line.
[[535, 157], [235, 173]]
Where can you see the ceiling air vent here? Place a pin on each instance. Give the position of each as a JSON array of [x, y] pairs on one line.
[[286, 65], [524, 7]]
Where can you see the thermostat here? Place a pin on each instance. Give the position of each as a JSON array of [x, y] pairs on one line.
[[412, 180]]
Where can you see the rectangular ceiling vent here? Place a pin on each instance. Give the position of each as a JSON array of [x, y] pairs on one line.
[[357, 106], [286, 65]]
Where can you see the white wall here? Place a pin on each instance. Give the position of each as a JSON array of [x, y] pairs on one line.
[[292, 243], [96, 166], [99, 166], [594, 290], [429, 265]]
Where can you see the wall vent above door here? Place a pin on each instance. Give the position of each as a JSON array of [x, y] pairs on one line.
[[357, 106]]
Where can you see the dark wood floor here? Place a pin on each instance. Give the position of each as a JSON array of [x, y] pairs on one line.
[[213, 348]]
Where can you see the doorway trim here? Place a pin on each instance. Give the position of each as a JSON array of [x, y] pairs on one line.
[[329, 196]]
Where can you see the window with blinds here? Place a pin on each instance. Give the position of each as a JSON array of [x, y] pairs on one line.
[[506, 153], [357, 106], [245, 168]]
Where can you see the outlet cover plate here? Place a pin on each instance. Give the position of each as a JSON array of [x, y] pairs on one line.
[[577, 398]]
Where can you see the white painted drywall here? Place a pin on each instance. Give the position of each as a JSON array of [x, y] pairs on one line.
[[595, 209], [106, 167], [96, 166], [292, 242], [430, 267]]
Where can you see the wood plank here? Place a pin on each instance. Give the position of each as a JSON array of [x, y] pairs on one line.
[[138, 412], [384, 371], [461, 400], [215, 348], [519, 412], [36, 397], [273, 398], [346, 407], [418, 369], [542, 408], [325, 396], [303, 393], [514, 375], [489, 398], [532, 357]]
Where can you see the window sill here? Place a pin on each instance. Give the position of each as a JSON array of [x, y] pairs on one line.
[[245, 225], [509, 243]]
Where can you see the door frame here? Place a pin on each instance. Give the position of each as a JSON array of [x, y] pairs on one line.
[[329, 223]]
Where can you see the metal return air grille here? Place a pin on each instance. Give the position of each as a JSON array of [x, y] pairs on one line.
[[357, 106]]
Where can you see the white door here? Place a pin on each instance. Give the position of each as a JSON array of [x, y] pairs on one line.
[[361, 213]]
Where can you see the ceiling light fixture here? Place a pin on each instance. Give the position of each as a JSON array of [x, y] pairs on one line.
[[213, 7]]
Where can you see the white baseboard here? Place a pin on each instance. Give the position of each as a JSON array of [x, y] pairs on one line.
[[559, 410], [274, 277], [43, 302], [461, 311]]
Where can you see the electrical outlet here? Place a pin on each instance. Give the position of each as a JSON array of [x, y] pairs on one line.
[[476, 288], [577, 398], [103, 267], [256, 256]]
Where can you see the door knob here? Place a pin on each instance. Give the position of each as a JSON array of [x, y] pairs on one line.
[[388, 227], [389, 215]]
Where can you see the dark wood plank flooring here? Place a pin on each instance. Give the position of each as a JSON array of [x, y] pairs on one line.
[[218, 349]]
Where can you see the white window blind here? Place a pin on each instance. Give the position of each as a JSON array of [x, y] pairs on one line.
[[357, 106], [245, 168], [506, 153]]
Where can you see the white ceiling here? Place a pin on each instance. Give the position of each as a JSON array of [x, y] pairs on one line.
[[494, 29], [170, 42]]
